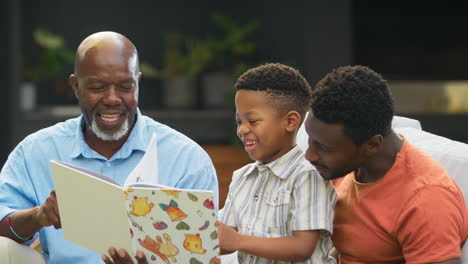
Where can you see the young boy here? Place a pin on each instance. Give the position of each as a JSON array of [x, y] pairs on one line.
[[278, 208]]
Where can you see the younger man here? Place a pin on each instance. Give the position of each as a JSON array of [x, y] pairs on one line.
[[395, 203], [279, 207]]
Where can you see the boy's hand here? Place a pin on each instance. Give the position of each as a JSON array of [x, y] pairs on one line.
[[122, 257], [229, 238]]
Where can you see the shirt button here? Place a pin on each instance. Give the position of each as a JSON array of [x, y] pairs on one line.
[[108, 164]]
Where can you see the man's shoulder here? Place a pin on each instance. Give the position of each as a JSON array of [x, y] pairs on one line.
[[422, 171], [419, 162]]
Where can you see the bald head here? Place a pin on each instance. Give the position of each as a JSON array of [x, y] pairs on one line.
[[106, 47]]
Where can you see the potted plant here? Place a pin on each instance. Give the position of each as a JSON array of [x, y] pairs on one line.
[[184, 59], [54, 56], [230, 52]]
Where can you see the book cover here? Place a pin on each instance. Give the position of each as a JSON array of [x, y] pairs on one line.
[[170, 225], [175, 226]]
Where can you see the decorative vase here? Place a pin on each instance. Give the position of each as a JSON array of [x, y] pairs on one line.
[[27, 96], [179, 92], [216, 86]]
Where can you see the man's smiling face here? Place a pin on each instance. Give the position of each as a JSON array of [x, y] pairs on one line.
[[106, 85]]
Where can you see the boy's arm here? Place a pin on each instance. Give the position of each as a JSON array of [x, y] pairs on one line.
[[298, 247]]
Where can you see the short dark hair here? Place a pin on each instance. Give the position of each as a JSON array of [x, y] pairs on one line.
[[286, 89], [356, 97]]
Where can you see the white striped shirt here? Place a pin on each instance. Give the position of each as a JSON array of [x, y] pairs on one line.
[[275, 199]]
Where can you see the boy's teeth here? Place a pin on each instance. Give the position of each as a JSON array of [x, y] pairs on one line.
[[249, 143]]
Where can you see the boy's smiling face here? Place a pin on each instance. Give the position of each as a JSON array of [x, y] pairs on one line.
[[261, 127]]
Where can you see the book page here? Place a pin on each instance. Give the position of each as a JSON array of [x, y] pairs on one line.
[[150, 186], [146, 170], [173, 225], [92, 211], [90, 173]]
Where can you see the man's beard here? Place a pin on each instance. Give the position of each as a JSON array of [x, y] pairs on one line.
[[110, 136]]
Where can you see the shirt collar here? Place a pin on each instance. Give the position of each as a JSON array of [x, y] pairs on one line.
[[283, 166], [136, 141]]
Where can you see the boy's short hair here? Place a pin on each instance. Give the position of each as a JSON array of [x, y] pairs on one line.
[[286, 89], [356, 97]]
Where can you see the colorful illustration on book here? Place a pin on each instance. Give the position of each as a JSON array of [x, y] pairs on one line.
[[192, 197], [204, 226], [215, 260], [195, 261], [166, 251], [181, 228], [171, 192], [160, 225], [208, 203], [214, 235], [193, 243], [126, 191], [140, 206], [173, 210]]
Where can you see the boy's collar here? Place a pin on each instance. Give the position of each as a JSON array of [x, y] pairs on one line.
[[282, 166]]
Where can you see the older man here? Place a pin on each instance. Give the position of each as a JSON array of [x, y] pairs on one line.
[[110, 137]]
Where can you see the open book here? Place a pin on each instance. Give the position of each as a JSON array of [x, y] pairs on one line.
[[167, 224]]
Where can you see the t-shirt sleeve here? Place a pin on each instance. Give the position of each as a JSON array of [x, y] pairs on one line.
[[313, 200], [431, 226]]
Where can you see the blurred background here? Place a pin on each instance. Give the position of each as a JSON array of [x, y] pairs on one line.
[[191, 52]]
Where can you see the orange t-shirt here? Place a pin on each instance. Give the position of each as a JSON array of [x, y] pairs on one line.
[[414, 214]]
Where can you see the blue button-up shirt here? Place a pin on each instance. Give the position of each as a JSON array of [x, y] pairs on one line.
[[26, 180]]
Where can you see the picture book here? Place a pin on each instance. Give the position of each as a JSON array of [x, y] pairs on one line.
[[169, 225]]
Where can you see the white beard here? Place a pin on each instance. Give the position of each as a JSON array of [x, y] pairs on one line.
[[123, 130]]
